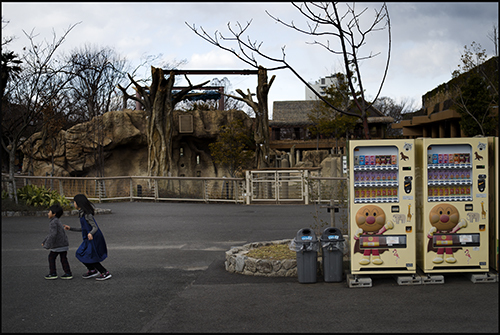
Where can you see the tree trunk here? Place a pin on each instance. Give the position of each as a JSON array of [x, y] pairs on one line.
[[261, 134], [12, 182], [160, 125], [262, 127]]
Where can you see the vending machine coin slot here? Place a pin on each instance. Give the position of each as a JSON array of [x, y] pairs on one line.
[[395, 209], [408, 184], [481, 182], [469, 207], [406, 168], [480, 167]]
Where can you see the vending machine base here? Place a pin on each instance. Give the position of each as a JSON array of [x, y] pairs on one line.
[[428, 278], [408, 280], [358, 281], [476, 278], [482, 277], [355, 280]]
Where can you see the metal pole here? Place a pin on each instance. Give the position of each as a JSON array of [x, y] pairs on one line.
[[131, 190]]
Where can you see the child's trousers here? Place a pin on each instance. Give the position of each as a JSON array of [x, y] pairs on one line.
[[95, 266], [64, 262]]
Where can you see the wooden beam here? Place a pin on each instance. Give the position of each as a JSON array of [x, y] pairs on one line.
[[205, 72]]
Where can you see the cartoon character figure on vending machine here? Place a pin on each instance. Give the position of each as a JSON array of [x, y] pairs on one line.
[[371, 221], [445, 219]]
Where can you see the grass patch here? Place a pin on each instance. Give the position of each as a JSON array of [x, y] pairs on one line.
[[273, 252]]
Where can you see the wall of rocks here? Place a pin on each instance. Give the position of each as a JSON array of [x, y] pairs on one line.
[[238, 262]]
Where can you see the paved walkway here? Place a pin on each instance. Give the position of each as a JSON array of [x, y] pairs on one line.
[[167, 261]]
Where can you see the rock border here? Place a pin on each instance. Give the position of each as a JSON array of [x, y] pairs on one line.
[[238, 262]]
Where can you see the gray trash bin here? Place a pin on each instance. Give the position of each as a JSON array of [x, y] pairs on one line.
[[332, 244], [306, 246]]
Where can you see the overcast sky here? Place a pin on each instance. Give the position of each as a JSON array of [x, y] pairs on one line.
[[427, 39]]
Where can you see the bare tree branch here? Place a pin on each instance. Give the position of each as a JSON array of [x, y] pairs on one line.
[[328, 22]]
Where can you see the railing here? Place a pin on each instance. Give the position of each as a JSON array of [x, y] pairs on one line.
[[202, 189], [140, 188]]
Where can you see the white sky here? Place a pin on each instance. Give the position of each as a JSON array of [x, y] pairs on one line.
[[427, 39]]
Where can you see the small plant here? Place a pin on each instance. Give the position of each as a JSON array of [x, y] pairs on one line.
[[35, 196]]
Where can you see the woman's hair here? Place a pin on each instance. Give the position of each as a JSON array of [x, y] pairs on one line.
[[85, 205]]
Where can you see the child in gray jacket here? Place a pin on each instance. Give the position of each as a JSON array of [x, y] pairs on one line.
[[57, 242]]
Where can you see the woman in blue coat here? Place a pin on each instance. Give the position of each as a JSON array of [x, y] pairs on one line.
[[93, 249]]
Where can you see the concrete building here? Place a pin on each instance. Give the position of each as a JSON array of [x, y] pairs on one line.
[[320, 86], [438, 118]]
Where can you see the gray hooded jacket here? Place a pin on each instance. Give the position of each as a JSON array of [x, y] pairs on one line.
[[57, 238]]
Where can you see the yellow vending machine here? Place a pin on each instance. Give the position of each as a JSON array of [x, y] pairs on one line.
[[453, 208], [382, 234]]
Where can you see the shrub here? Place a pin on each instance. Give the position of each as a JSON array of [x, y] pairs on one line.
[[42, 197]]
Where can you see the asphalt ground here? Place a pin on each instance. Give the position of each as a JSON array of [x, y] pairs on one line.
[[167, 262]]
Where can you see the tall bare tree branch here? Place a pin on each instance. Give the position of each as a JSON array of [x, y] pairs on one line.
[[350, 35]]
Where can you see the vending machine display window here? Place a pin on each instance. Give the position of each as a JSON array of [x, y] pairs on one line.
[[449, 174], [376, 175]]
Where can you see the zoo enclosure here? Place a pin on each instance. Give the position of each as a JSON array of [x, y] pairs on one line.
[[259, 186]]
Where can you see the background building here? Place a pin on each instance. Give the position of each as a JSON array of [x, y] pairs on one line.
[[438, 117], [289, 128], [320, 86]]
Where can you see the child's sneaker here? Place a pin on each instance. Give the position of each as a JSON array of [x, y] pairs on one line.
[[51, 276], [90, 274], [104, 276], [67, 276]]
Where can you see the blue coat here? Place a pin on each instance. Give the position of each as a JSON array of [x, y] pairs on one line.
[[94, 251]]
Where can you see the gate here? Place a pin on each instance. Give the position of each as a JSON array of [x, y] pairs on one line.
[[277, 185]]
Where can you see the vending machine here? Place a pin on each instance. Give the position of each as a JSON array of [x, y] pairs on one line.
[[452, 232], [382, 206]]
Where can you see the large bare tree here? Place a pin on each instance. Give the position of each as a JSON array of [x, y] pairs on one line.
[[325, 21], [261, 106], [95, 74], [159, 101], [261, 110]]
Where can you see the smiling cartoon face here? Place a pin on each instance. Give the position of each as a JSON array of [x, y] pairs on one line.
[[444, 216], [370, 218]]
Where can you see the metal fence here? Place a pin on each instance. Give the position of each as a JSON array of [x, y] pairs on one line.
[[202, 189]]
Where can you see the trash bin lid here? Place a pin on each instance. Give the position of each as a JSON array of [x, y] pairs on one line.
[[332, 234], [306, 235]]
